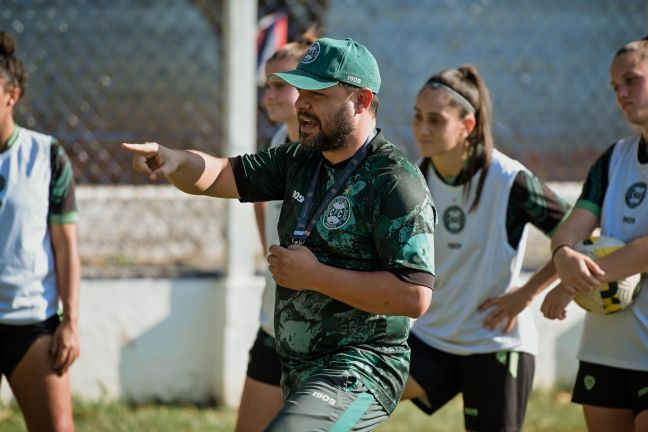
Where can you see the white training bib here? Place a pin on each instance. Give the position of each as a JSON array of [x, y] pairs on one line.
[[28, 291], [621, 339], [474, 262], [272, 212]]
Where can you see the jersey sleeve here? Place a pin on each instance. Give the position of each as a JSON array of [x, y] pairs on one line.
[[262, 176], [596, 184], [404, 227], [62, 198], [532, 201]]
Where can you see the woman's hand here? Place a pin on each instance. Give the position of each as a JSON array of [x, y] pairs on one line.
[[577, 272], [555, 302]]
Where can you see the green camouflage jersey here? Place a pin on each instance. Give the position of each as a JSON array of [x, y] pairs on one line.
[[381, 220]]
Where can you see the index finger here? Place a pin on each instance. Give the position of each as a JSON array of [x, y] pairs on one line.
[[486, 304], [147, 149], [65, 361], [510, 325], [275, 249]]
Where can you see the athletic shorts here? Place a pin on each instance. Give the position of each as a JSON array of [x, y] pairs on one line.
[[611, 387], [263, 364], [495, 386], [329, 403], [15, 341]]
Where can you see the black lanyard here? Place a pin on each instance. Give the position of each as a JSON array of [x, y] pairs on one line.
[[302, 231]]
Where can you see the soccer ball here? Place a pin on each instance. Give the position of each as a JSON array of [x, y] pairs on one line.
[[610, 297]]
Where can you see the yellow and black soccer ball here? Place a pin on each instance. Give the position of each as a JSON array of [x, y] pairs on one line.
[[610, 297]]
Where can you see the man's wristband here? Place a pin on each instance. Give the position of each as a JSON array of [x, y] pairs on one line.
[[560, 246]]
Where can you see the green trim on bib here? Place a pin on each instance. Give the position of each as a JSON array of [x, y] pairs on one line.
[[12, 139], [67, 218], [589, 206]]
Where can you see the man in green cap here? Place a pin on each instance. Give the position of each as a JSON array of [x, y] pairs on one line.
[[356, 258]]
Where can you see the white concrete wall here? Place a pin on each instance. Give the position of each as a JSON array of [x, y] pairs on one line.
[[159, 340], [162, 340], [187, 340]]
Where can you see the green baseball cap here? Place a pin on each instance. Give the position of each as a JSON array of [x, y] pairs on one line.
[[331, 61]]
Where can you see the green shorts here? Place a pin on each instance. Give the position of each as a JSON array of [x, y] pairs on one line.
[[333, 403]]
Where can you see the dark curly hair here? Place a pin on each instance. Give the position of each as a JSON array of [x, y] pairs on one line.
[[12, 70]]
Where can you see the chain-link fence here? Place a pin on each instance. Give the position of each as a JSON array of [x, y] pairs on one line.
[[108, 71], [545, 62]]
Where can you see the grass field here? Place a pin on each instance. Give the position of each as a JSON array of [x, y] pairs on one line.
[[547, 412]]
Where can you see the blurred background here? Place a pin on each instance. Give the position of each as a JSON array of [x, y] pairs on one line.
[[155, 261], [108, 71]]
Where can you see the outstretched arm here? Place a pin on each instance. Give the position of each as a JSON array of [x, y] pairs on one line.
[[191, 171]]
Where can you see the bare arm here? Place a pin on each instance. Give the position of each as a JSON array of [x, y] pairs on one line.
[[259, 215], [578, 226], [65, 348], [554, 304], [191, 171], [377, 292], [509, 305], [629, 260], [577, 272]]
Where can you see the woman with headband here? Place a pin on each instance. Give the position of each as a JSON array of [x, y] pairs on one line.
[[477, 338]]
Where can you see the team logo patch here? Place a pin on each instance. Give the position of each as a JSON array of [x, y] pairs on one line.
[[635, 194], [589, 382], [312, 53], [454, 219], [2, 183], [337, 213]]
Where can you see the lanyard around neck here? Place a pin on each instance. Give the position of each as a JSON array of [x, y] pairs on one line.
[[303, 230]]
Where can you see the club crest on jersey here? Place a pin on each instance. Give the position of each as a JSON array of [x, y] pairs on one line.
[[337, 213], [312, 53], [454, 219], [635, 194]]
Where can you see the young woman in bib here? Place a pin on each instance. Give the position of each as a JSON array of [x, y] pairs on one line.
[[39, 261], [612, 380], [477, 338], [262, 396]]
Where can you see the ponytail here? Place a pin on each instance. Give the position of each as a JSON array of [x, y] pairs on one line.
[[470, 94]]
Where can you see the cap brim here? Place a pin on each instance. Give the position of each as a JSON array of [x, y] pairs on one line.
[[303, 80]]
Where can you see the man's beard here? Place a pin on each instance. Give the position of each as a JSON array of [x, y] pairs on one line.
[[336, 139]]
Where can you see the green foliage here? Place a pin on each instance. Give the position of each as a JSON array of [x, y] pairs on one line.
[[123, 417]]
